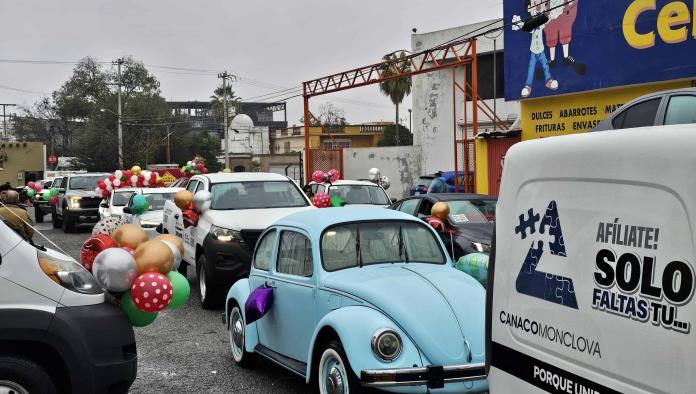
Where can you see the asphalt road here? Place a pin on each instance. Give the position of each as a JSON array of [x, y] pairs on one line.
[[187, 350]]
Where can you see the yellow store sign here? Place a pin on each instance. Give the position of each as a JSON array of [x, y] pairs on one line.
[[577, 113]]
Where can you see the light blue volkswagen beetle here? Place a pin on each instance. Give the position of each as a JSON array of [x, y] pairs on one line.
[[357, 297]]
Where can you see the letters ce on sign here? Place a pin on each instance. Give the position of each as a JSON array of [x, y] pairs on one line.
[[672, 23]]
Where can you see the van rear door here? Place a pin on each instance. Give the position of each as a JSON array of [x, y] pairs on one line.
[[593, 278]]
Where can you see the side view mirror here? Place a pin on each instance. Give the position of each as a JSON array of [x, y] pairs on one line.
[[127, 210], [61, 190], [104, 204], [393, 200]]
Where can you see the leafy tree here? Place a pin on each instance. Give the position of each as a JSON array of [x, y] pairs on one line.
[[389, 139], [396, 89], [217, 102]]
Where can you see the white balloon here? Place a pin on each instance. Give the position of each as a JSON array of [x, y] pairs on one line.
[[109, 187], [147, 178], [202, 200], [134, 180], [107, 181], [118, 174], [98, 191], [177, 256], [117, 182]]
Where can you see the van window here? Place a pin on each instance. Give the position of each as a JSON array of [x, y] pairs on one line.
[[681, 110], [641, 114]]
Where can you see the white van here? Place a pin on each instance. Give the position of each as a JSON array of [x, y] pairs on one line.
[[591, 278], [57, 333]]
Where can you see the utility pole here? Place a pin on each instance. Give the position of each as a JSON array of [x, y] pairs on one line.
[[495, 88], [225, 76], [119, 62], [169, 154], [410, 120], [4, 119]]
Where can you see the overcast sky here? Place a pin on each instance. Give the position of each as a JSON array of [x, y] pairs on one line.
[[277, 43]]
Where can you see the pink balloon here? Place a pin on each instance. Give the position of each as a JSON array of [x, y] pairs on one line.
[[321, 200], [318, 176], [334, 175]]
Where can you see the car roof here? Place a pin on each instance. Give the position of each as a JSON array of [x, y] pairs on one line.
[[242, 177], [353, 182], [456, 196], [160, 190], [104, 174], [127, 189], [315, 221]]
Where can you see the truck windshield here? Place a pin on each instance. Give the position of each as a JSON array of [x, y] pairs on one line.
[[256, 195], [359, 244], [120, 199], [360, 194], [84, 182]]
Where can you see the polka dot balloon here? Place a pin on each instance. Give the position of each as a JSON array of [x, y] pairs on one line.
[[151, 292], [321, 200]]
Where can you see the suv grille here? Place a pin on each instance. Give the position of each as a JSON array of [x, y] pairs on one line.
[[90, 202], [251, 236]]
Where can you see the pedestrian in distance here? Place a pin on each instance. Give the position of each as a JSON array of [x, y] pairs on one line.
[[438, 185], [308, 190], [15, 215]]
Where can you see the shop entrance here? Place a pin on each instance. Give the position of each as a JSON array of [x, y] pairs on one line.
[[497, 149]]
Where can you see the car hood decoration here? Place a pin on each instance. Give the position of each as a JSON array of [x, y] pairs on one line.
[[445, 320]]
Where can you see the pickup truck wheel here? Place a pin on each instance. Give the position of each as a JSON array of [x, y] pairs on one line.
[[335, 374], [68, 223], [38, 214], [208, 290], [57, 223], [21, 376], [238, 338]]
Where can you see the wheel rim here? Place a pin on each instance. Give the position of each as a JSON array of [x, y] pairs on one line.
[[237, 334], [333, 378], [201, 284], [7, 387]]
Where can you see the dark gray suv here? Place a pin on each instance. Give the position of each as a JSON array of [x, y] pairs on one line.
[[655, 109]]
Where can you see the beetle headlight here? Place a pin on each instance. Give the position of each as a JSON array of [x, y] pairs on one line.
[[386, 344]]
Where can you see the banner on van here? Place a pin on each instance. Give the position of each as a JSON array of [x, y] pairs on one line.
[[588, 45]]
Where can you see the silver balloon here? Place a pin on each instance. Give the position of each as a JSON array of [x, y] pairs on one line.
[[202, 200], [385, 182], [374, 174], [175, 252], [115, 270]]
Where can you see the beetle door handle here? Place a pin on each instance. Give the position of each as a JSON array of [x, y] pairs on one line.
[[271, 284]]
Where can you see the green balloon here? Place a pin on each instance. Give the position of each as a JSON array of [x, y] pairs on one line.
[[140, 204], [197, 172], [137, 317], [46, 196], [31, 193], [474, 264], [181, 288], [53, 192], [337, 202]]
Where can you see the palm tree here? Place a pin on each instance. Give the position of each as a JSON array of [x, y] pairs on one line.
[[217, 104], [398, 88]]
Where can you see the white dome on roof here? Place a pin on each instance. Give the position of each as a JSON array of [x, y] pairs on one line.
[[242, 122]]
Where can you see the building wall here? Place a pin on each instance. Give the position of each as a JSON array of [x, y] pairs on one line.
[[401, 164], [22, 160], [433, 108], [248, 142]]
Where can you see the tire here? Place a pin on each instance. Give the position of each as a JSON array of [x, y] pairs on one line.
[[207, 288], [38, 214], [57, 223], [183, 268], [18, 375], [237, 332], [68, 223], [334, 370]]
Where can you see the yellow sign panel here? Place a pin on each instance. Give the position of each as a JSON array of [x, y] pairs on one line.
[[577, 113], [168, 178]]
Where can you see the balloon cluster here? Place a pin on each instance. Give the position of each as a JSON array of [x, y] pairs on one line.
[[326, 177], [323, 200], [135, 177], [192, 206], [194, 167], [141, 273], [51, 195], [376, 177]]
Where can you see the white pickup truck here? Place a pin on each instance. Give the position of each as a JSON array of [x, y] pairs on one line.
[[220, 247]]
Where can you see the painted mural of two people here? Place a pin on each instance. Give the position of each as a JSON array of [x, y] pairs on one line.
[[557, 30]]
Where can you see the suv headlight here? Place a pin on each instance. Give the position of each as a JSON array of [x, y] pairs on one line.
[[386, 344], [224, 234], [75, 202], [68, 273], [481, 248]]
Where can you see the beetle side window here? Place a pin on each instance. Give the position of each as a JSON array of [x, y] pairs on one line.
[[264, 252], [681, 110], [295, 254], [641, 114]]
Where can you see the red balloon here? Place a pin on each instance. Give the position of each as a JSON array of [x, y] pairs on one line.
[[321, 200], [204, 170], [141, 177], [151, 292], [127, 174], [92, 247], [101, 185], [53, 200], [31, 185], [190, 218], [112, 178], [199, 167]]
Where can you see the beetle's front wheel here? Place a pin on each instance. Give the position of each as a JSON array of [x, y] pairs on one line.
[[335, 374], [238, 338]]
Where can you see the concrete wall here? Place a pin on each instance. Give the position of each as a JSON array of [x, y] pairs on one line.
[[401, 164], [433, 108]]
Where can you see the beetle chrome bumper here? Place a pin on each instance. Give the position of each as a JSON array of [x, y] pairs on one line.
[[434, 376]]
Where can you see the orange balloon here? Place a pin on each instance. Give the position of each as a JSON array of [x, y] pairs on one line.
[[183, 198], [153, 256], [173, 239], [130, 235], [440, 210]]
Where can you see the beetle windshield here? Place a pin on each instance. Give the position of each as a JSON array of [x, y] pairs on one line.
[[367, 243], [256, 195], [360, 194]]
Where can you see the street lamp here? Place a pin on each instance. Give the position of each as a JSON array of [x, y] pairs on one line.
[[120, 132]]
